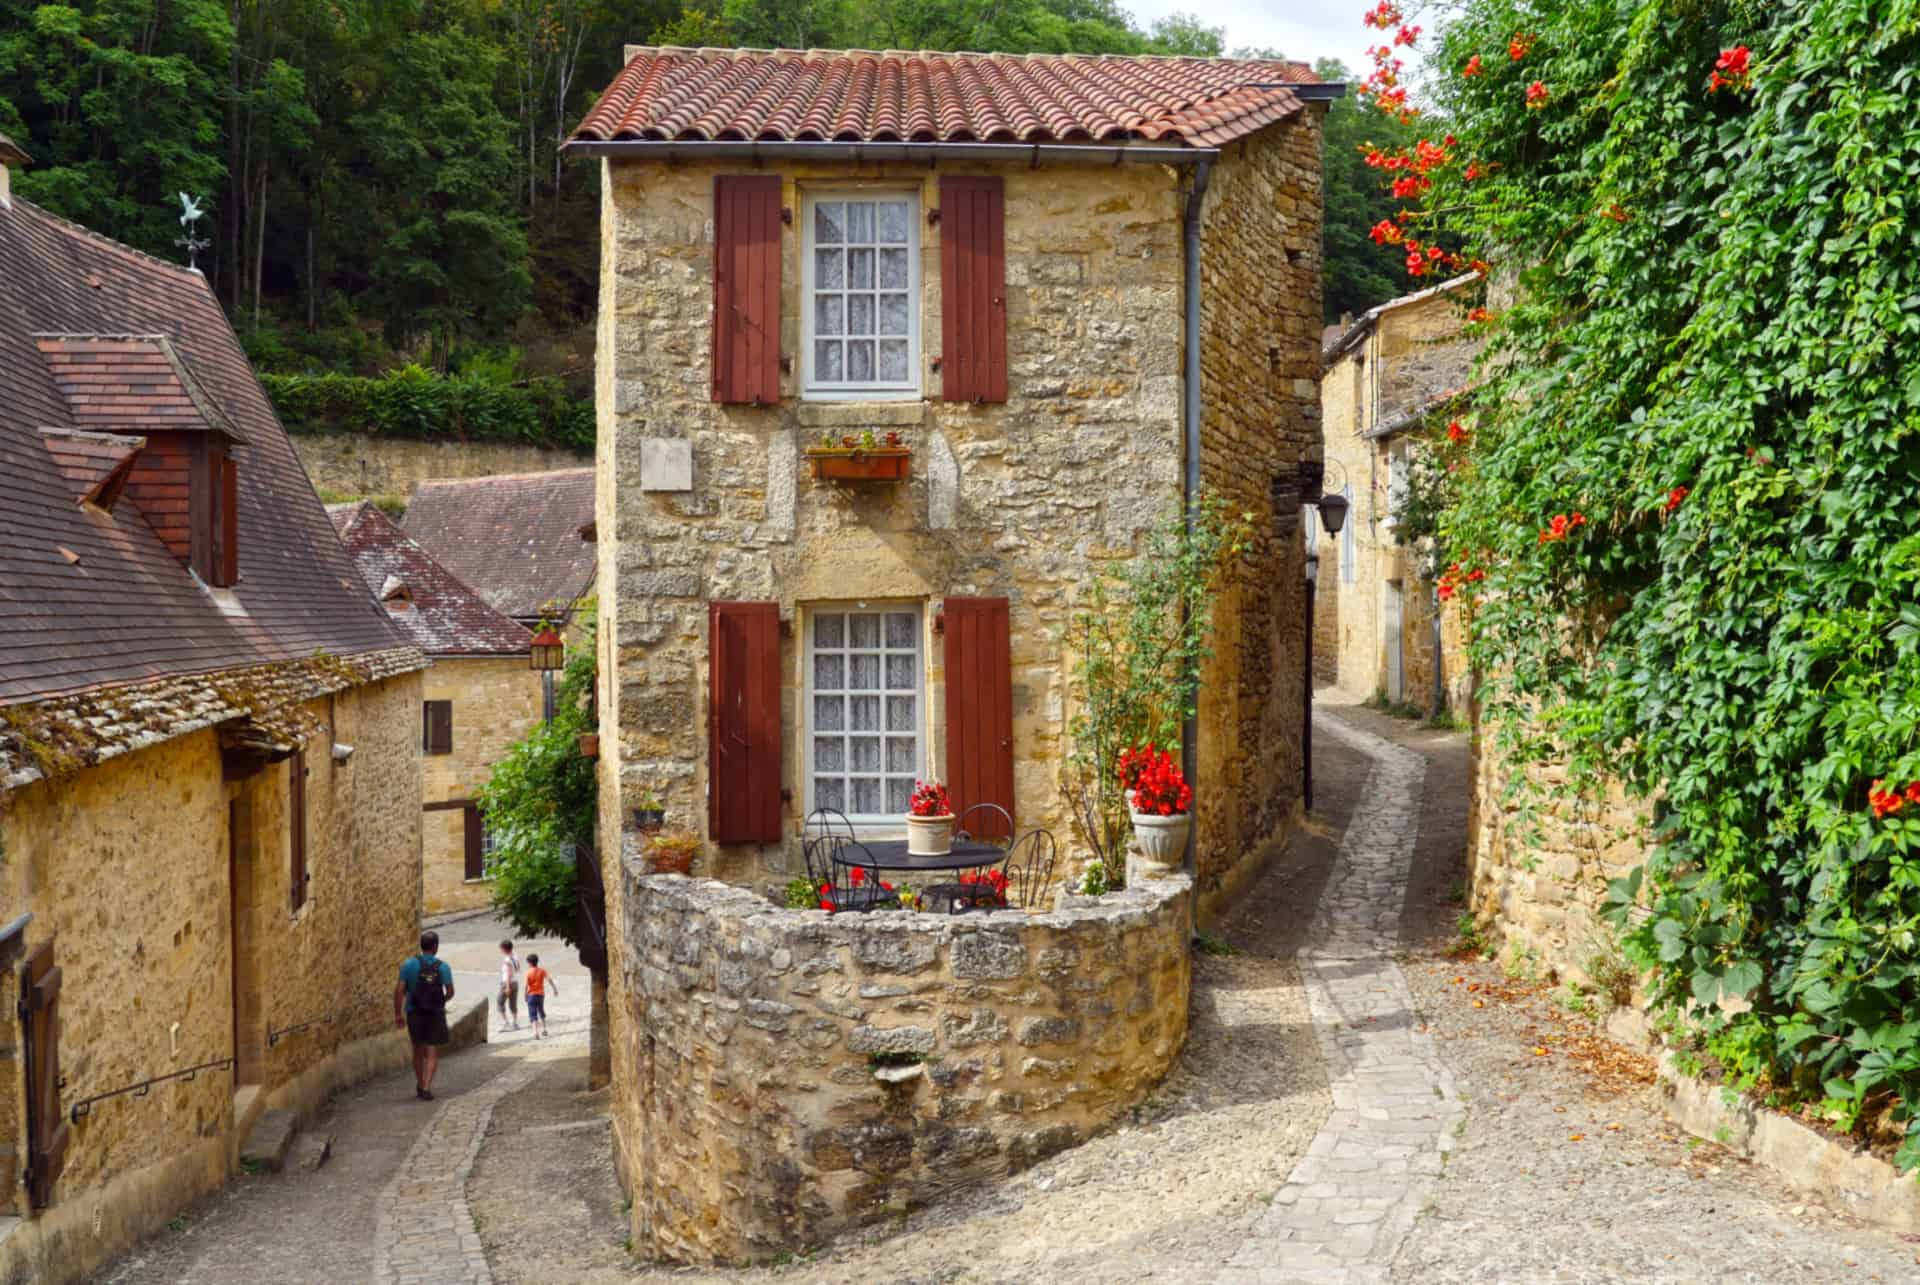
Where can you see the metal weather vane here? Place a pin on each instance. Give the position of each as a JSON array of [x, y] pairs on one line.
[[191, 214]]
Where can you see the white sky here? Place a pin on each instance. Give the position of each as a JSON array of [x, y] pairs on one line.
[[1304, 30]]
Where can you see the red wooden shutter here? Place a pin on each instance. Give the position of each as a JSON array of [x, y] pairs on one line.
[[436, 727], [743, 722], [476, 866], [227, 536], [746, 288], [973, 289], [979, 670], [297, 829], [46, 1124]]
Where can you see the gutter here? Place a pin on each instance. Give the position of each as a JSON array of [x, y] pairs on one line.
[[823, 150], [1190, 435]]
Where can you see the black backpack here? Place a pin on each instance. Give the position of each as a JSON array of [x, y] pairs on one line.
[[427, 994]]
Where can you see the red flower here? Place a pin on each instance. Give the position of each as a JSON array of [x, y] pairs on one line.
[[1473, 66], [1913, 791], [1406, 35], [1562, 526], [1579, 519], [885, 886], [1456, 432], [1536, 94], [1734, 61], [1674, 497], [1385, 233], [1477, 315], [1885, 802], [929, 800], [1160, 787], [1518, 47], [1382, 15], [859, 876], [893, 439]]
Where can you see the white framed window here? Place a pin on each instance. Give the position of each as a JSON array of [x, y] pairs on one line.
[[860, 286], [864, 742], [1348, 562]]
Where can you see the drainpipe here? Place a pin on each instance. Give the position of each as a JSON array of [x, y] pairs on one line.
[[1190, 477]]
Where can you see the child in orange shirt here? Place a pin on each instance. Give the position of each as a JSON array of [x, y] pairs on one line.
[[538, 979]]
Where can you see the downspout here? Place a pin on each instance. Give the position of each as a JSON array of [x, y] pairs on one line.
[[1190, 477]]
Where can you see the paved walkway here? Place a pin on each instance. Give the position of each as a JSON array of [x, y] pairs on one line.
[[1353, 1197]]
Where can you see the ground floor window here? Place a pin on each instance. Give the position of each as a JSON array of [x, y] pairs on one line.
[[863, 676]]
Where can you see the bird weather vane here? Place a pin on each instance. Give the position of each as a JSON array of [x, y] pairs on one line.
[[191, 214]]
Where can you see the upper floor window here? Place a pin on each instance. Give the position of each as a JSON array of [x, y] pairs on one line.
[[860, 284]]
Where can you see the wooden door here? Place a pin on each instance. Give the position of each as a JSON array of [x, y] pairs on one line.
[[47, 1130]]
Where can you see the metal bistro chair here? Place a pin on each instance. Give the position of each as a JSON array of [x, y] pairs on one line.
[[832, 835], [982, 823], [1029, 869]]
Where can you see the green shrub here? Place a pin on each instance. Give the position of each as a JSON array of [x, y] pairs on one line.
[[413, 402]]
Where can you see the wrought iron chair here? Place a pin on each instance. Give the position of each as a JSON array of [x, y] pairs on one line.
[[985, 823], [981, 823], [848, 887], [1029, 868]]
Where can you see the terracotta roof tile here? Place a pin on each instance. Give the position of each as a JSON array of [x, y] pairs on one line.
[[124, 610], [515, 538], [88, 459], [129, 383], [857, 95], [440, 614]]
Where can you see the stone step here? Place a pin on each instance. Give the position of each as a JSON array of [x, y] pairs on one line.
[[311, 1150], [268, 1140]]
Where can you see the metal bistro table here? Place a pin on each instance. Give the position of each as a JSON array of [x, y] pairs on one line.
[[892, 855]]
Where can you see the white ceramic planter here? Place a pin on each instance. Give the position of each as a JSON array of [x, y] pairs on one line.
[[1162, 840], [930, 836]]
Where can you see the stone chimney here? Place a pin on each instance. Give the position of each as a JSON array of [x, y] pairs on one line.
[[10, 156]]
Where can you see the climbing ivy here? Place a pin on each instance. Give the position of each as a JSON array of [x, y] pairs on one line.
[[1692, 482]]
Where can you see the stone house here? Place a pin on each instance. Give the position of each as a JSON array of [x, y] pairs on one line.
[[209, 774], [480, 695], [522, 541], [1075, 290], [1380, 628]]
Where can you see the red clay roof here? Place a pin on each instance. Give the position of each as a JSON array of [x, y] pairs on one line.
[[122, 609], [441, 615], [129, 383], [859, 95], [88, 459], [514, 538]]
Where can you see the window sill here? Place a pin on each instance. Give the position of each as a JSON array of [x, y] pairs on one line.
[[879, 410], [481, 879]]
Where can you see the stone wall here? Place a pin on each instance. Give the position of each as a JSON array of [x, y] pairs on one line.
[[353, 464], [496, 700], [755, 1119], [1260, 275], [127, 867]]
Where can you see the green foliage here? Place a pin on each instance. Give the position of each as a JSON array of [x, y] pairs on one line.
[[541, 804], [1138, 640], [1357, 275], [1715, 291], [415, 403], [802, 895]]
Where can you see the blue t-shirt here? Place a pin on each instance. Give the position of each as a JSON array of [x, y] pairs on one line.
[[410, 971]]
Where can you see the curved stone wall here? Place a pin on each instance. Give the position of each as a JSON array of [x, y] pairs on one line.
[[797, 1074]]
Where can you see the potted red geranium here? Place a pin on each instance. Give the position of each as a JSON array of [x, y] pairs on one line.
[[1161, 802], [929, 820]]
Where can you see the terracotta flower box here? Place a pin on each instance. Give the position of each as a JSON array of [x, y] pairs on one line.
[[589, 745], [859, 464]]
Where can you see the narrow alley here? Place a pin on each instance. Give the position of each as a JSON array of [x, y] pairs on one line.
[[1356, 1103]]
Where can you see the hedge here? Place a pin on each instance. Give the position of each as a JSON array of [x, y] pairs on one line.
[[416, 403]]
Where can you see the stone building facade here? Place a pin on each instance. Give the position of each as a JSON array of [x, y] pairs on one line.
[[1016, 492], [1380, 627], [209, 771]]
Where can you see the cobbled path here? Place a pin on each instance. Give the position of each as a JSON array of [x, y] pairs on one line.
[[1352, 1199]]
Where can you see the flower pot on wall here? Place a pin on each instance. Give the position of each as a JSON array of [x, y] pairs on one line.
[[859, 464], [589, 745], [1162, 839], [930, 836]]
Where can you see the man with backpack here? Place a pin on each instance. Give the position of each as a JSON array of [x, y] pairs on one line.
[[425, 986]]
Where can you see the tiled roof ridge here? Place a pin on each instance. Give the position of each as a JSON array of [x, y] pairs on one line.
[[57, 735], [737, 51], [1368, 319], [93, 435], [65, 224]]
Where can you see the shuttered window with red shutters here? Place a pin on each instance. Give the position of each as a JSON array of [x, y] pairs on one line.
[[47, 1131], [979, 669], [743, 730], [973, 289], [746, 289], [226, 532]]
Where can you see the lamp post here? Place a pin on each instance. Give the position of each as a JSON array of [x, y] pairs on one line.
[[547, 653], [1333, 516]]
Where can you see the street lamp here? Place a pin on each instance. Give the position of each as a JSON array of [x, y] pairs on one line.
[[1333, 516], [547, 653]]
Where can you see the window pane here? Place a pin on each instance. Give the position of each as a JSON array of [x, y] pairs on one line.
[[829, 629], [829, 314], [860, 220], [866, 713], [865, 677], [899, 793], [866, 753], [829, 792], [860, 269], [859, 314], [893, 360], [900, 714], [893, 314], [829, 673], [829, 754], [866, 796], [829, 361], [900, 629], [829, 269], [900, 673], [829, 222], [865, 629], [829, 713], [860, 362], [893, 269], [892, 222], [900, 754]]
